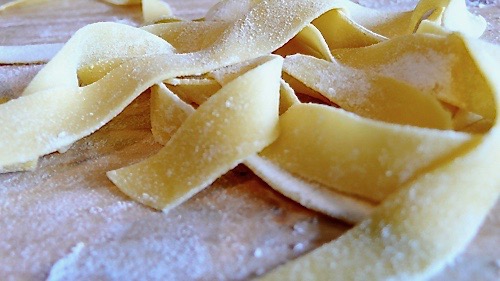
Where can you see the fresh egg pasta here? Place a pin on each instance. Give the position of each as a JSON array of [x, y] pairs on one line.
[[402, 138]]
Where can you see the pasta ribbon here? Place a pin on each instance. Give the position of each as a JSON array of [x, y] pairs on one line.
[[147, 60], [355, 155], [450, 15], [440, 61], [308, 41], [168, 112], [424, 225], [367, 93], [340, 31], [71, 112], [238, 121]]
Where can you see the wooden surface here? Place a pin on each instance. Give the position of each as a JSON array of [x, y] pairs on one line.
[[68, 217]]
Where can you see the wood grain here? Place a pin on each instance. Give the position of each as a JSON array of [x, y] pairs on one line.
[[68, 211]]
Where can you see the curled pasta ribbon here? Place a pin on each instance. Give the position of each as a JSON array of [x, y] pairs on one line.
[[352, 24], [71, 112], [236, 122], [451, 15], [441, 60], [366, 93], [116, 78], [425, 224], [169, 112], [355, 155]]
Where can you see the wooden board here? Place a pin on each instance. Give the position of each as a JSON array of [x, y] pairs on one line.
[[68, 217]]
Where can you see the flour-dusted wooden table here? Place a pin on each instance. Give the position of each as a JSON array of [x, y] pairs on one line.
[[67, 217]]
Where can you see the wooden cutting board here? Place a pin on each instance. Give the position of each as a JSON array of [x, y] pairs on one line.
[[66, 216]]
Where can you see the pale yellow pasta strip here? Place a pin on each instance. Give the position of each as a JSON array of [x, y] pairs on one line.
[[196, 90], [368, 94], [156, 10], [365, 19], [227, 74], [423, 226], [98, 46], [168, 112], [354, 155], [310, 195], [193, 90], [186, 36], [236, 122], [31, 130], [287, 97], [57, 83], [430, 63], [432, 24], [189, 36], [340, 31], [246, 34], [47, 132], [300, 88], [252, 23], [360, 21], [454, 17], [230, 10], [415, 232], [308, 41]]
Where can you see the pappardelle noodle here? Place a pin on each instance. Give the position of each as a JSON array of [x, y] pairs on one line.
[[387, 120]]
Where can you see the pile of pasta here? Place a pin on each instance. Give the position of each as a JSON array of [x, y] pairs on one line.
[[386, 120]]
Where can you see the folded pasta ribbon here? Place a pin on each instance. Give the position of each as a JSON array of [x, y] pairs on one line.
[[422, 226], [126, 61], [236, 122], [54, 111]]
